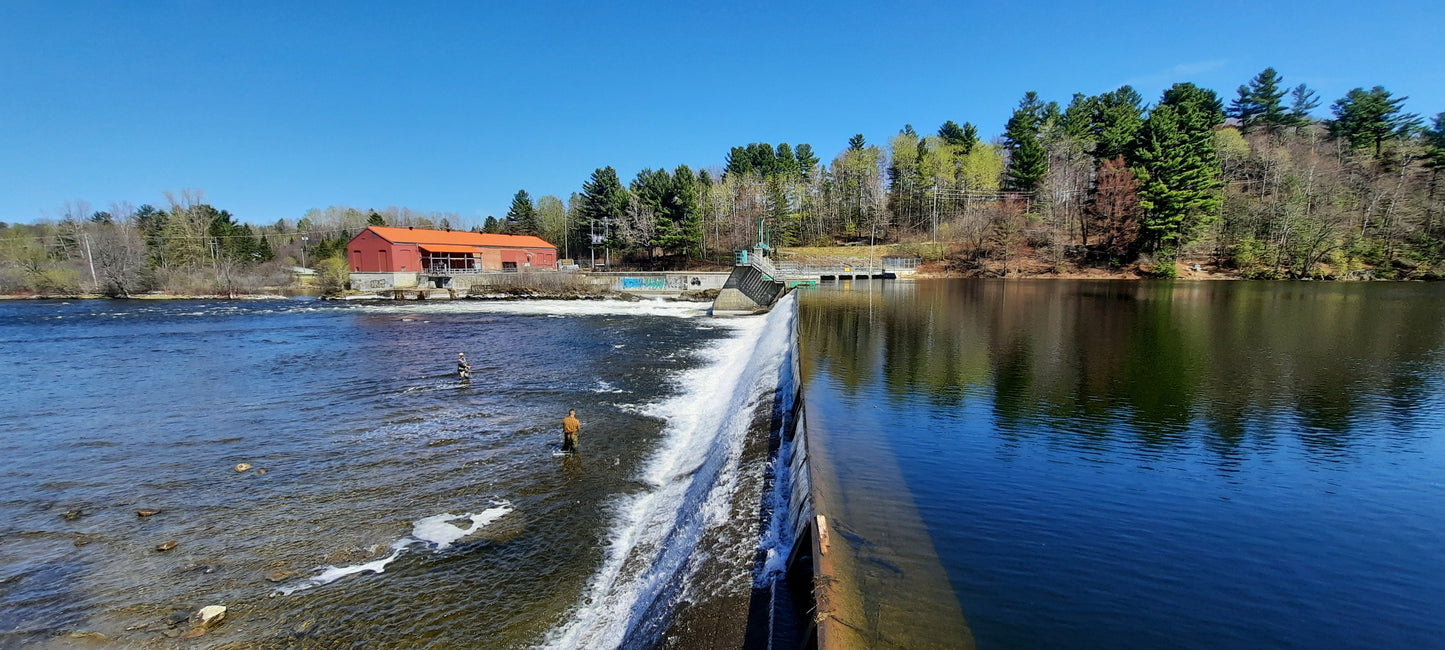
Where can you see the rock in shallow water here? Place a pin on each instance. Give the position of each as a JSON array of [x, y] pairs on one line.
[[241, 467], [146, 512], [211, 615], [167, 546]]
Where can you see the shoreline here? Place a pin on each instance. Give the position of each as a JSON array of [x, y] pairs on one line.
[[1118, 276]]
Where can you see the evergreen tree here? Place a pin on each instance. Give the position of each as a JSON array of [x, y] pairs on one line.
[[375, 219], [522, 216], [1260, 103], [1302, 101], [603, 203], [1180, 176], [738, 161], [684, 211], [1028, 160], [857, 143], [1079, 118], [1434, 138], [806, 159], [1372, 117], [1118, 116], [1028, 164], [952, 133], [491, 226], [787, 161]]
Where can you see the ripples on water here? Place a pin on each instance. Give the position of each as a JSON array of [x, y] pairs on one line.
[[369, 446], [1152, 465]]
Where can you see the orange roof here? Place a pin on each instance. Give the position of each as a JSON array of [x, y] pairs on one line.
[[446, 248], [456, 238]]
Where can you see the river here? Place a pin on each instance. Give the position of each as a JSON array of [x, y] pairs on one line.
[[1136, 464], [397, 505], [1010, 464]]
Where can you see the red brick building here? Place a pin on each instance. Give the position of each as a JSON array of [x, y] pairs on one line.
[[380, 249]]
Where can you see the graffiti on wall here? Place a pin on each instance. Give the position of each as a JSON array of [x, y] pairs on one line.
[[644, 283]]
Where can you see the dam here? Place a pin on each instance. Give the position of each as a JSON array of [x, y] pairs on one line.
[[926, 463]]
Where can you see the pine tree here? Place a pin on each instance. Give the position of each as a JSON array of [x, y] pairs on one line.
[[1028, 164], [806, 159], [522, 216], [1302, 101], [952, 133], [491, 226], [1028, 160], [603, 203], [1371, 117], [857, 142], [787, 162], [1118, 116], [1260, 103], [375, 219], [1180, 176]]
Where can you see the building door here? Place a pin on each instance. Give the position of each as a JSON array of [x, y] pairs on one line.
[[385, 263]]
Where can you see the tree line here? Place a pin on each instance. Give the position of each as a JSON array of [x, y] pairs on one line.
[[1264, 186]]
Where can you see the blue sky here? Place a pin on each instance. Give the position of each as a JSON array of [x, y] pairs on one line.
[[274, 108]]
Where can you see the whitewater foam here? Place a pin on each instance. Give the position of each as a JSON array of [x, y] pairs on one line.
[[554, 308], [437, 531], [690, 481]]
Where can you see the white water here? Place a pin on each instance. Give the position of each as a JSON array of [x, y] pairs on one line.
[[690, 481], [437, 531], [541, 307]]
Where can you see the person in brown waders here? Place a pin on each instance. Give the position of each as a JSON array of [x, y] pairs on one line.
[[464, 369], [570, 427]]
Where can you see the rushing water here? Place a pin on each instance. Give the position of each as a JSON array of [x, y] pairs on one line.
[[397, 506], [1104, 464]]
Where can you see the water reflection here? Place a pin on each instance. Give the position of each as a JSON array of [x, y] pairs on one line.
[[1102, 464], [1145, 363]]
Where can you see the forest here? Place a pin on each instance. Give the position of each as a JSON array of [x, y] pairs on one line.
[[1263, 185]]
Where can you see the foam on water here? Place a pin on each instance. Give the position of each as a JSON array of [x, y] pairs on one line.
[[562, 308], [690, 480], [437, 531]]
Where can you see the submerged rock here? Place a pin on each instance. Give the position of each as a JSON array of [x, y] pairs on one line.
[[261, 472], [146, 512], [167, 545], [72, 515], [211, 615], [279, 575]]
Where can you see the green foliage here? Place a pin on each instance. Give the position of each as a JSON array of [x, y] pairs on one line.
[[1371, 118], [1114, 123], [1180, 179], [1028, 160], [806, 159], [857, 142], [1261, 104], [332, 276], [963, 137], [522, 216], [491, 226], [603, 203], [375, 219]]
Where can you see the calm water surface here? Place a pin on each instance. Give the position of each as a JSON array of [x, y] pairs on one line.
[[1105, 464], [375, 457]]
